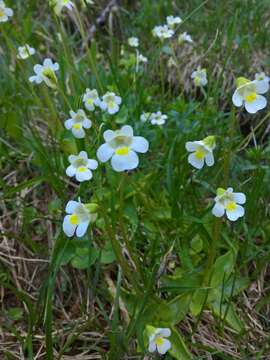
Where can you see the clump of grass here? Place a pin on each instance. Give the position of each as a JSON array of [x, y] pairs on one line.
[[153, 255]]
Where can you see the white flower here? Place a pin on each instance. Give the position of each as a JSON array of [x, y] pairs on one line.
[[142, 59], [199, 76], [201, 152], [133, 41], [158, 118], [184, 37], [25, 51], [78, 218], [80, 166], [145, 116], [46, 73], [262, 77], [121, 147], [77, 123], [162, 32], [5, 12], [110, 102], [173, 20], [248, 93], [91, 99], [228, 202], [58, 5], [158, 341]]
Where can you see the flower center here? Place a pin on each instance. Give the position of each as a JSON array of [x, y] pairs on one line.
[[159, 341], [90, 101], [231, 206], [2, 12], [111, 104], [77, 126], [122, 151], [82, 168], [200, 154], [74, 219], [251, 97]]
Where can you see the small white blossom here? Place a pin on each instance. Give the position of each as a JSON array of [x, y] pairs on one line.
[[201, 152], [145, 116], [122, 147], [91, 99], [25, 51], [172, 21], [199, 77], [46, 73], [5, 12], [78, 218], [80, 166], [58, 5], [184, 37], [228, 202], [158, 118], [77, 123], [158, 341], [162, 32], [110, 102], [133, 41], [248, 93], [262, 77], [142, 59]]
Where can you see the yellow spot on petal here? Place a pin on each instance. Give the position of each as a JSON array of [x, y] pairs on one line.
[[200, 154], [2, 13], [251, 97], [82, 169], [122, 151], [231, 206], [159, 341], [74, 219], [111, 104], [77, 126], [90, 101]]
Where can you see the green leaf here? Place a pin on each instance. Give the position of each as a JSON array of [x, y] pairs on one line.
[[179, 349], [227, 313], [222, 268], [15, 313], [198, 300], [107, 254], [172, 312], [85, 258]]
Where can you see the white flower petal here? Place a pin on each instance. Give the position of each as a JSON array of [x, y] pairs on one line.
[[152, 347], [108, 135], [218, 210], [104, 152], [113, 109], [194, 161], [262, 86], [127, 130], [191, 146], [239, 198], [68, 228], [209, 159], [84, 175], [237, 213], [82, 228], [237, 99], [162, 349], [69, 123], [48, 62], [71, 171], [71, 206], [127, 162], [83, 154], [165, 332], [258, 104], [78, 133], [87, 123], [140, 144], [92, 164]]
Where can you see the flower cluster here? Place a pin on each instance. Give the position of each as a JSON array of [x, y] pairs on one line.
[[134, 43], [155, 118]]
